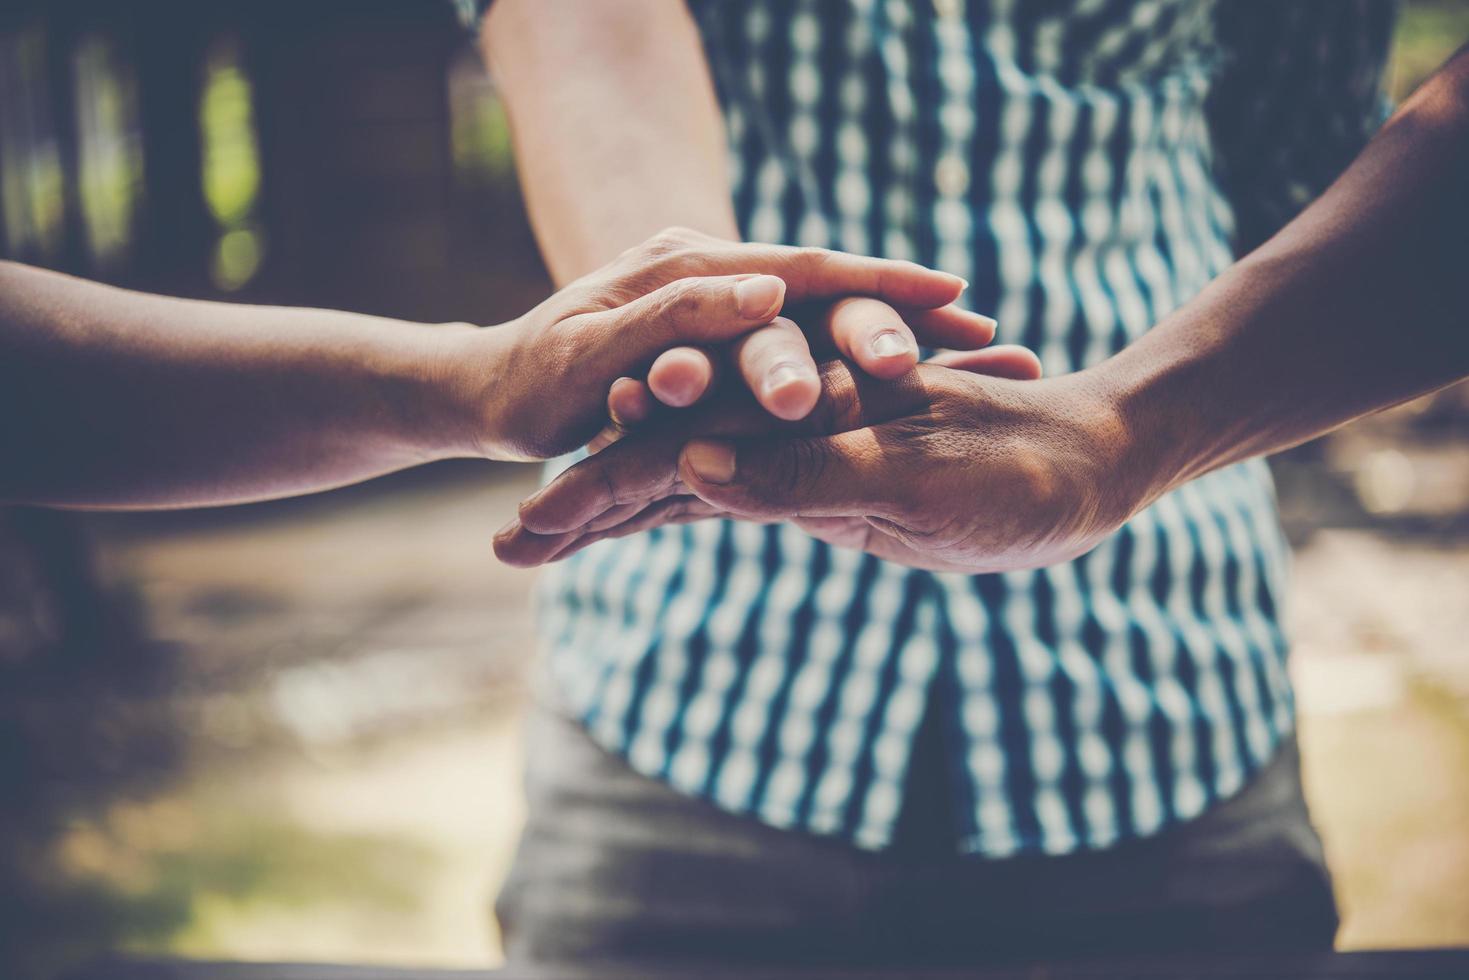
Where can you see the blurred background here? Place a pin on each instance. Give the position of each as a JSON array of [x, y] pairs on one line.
[[289, 731]]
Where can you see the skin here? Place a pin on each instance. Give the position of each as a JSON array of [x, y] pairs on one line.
[[617, 133], [1356, 305], [117, 399], [636, 483]]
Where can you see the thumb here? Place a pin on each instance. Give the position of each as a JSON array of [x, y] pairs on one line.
[[694, 311], [847, 474]]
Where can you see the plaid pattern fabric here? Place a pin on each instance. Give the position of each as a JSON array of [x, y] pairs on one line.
[[1085, 164]]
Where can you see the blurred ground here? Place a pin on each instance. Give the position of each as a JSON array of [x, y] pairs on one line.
[[351, 713], [353, 681]]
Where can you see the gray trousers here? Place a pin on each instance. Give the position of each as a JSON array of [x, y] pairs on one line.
[[616, 866]]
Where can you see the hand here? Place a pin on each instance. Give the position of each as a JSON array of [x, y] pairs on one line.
[[944, 469], [552, 369], [776, 362]]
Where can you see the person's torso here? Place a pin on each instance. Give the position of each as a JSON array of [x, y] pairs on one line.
[[1058, 156]]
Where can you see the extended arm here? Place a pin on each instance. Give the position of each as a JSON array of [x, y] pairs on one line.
[[112, 398], [1356, 305], [120, 399]]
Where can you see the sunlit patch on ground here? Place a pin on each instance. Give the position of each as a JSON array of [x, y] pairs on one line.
[[352, 690]]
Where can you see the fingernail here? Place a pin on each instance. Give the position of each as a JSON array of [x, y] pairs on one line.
[[681, 393], [783, 374], [712, 462], [890, 343], [511, 526], [759, 296]]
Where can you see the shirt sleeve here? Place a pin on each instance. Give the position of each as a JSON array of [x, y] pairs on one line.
[[471, 12], [1298, 94]]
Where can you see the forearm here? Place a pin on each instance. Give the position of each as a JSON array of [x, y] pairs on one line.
[[1357, 305], [617, 129], [111, 398]]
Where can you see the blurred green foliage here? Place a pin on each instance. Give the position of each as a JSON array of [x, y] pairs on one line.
[[109, 147], [231, 159], [231, 164], [31, 177], [1428, 32], [482, 141]]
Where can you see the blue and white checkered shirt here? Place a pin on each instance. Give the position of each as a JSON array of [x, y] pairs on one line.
[[1088, 165]]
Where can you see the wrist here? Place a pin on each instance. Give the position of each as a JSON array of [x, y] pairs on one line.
[[1140, 439], [455, 387]]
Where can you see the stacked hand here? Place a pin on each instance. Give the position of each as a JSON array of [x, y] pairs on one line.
[[681, 308], [966, 463]]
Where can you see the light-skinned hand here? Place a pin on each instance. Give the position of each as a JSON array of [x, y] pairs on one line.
[[671, 310]]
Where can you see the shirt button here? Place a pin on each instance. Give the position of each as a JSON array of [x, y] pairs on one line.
[[951, 176], [949, 9]]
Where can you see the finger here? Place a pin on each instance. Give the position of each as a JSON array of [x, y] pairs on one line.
[[815, 273], [615, 516], [681, 376], [519, 548], [629, 403], [630, 471], [809, 273], [603, 439], [776, 363], [522, 548], [873, 334], [709, 309], [1004, 361], [849, 473], [950, 326], [682, 509], [644, 467]]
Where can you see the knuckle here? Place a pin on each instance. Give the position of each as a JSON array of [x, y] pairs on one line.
[[655, 262], [674, 240], [632, 277], [812, 260], [610, 485], [683, 292], [673, 233], [675, 305], [839, 408], [682, 233], [802, 467], [812, 255], [578, 298]]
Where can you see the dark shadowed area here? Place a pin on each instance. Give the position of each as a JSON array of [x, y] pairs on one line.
[[289, 730]]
